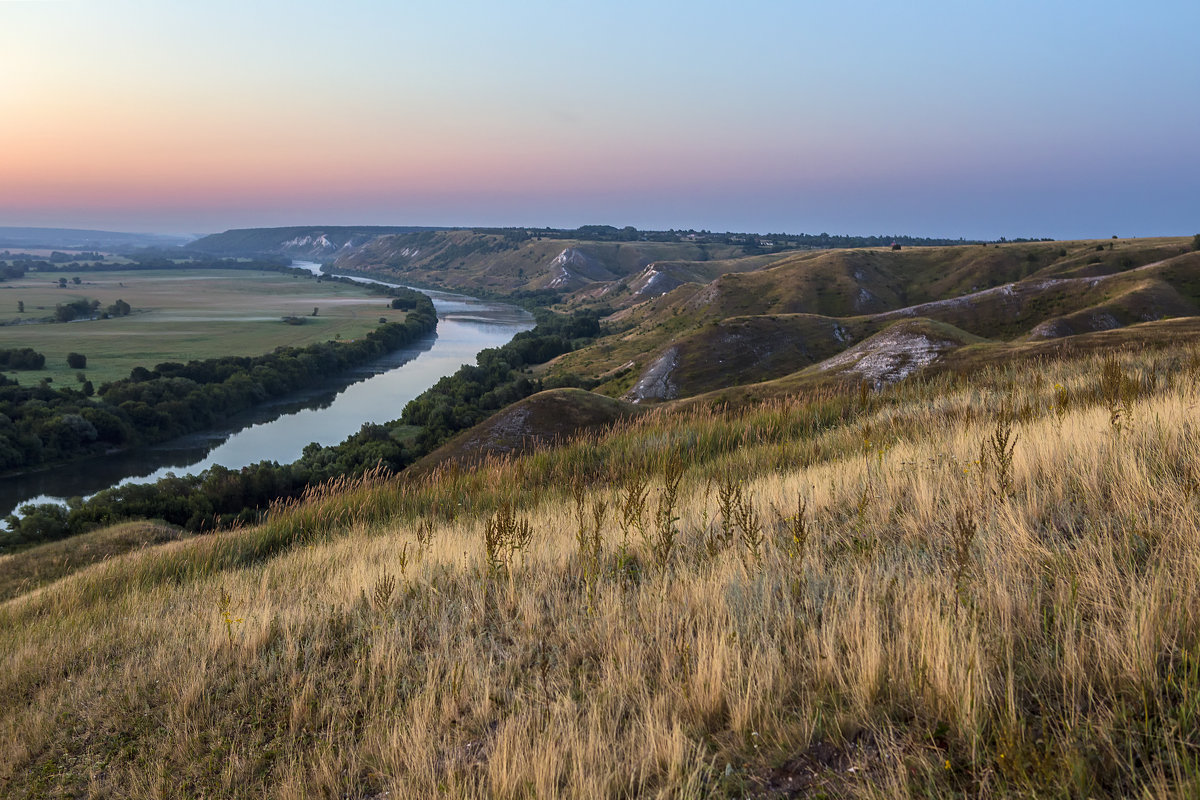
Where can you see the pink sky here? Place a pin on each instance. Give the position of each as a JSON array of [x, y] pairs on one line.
[[929, 119]]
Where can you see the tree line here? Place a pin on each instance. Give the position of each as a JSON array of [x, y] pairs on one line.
[[41, 425], [474, 393], [219, 496]]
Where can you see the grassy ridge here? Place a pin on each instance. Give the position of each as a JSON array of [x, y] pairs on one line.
[[952, 587], [746, 327], [494, 262]]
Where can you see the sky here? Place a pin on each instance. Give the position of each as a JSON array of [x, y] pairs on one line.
[[971, 118]]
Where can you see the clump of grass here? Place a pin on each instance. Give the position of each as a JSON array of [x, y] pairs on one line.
[[425, 530], [729, 498], [864, 396], [589, 539], [962, 537], [797, 529], [631, 515], [225, 610], [996, 456], [750, 524], [381, 592], [666, 531], [504, 535], [1115, 391], [1062, 402]]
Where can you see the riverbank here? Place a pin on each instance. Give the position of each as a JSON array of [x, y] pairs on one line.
[[465, 326]]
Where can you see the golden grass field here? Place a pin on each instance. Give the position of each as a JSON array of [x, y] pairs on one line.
[[981, 587], [180, 315]]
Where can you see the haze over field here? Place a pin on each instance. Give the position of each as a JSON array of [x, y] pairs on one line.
[[1067, 120]]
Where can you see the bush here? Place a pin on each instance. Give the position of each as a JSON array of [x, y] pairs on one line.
[[82, 308], [21, 358], [1196, 242], [39, 523], [76, 361]]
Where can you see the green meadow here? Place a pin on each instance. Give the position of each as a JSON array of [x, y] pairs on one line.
[[178, 316]]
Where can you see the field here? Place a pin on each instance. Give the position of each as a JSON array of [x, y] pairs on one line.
[[955, 587], [178, 316]]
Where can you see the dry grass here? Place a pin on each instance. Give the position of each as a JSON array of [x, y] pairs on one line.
[[28, 569], [931, 636]]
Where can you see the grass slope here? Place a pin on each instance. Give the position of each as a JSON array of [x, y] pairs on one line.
[[746, 327], [954, 587], [542, 420], [470, 260], [25, 571]]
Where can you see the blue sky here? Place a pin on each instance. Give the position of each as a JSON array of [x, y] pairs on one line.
[[1063, 119]]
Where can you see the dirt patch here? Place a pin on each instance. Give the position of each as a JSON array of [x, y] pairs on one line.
[[890, 357], [655, 383]]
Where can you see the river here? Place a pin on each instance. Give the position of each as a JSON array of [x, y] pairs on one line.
[[327, 415]]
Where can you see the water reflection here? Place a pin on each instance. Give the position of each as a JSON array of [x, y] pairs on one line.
[[280, 431]]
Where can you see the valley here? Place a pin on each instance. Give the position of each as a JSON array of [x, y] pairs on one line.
[[856, 522]]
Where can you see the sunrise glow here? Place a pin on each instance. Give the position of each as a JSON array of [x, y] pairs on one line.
[[926, 118]]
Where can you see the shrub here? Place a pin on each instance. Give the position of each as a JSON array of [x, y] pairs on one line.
[[76, 361], [21, 358], [38, 523]]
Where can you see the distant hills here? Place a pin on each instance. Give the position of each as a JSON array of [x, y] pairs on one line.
[[698, 312], [878, 315], [509, 260], [298, 241], [82, 239]]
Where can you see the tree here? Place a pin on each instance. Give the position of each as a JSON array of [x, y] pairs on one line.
[[315, 309], [21, 303], [76, 361], [1196, 242], [76, 280], [62, 283], [119, 309]]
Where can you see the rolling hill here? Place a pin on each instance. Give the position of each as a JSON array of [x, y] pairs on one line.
[[765, 323], [877, 524]]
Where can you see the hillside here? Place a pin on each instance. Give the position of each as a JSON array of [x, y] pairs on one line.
[[545, 420], [968, 585], [749, 326], [15, 238], [875, 524], [304, 242], [515, 260]]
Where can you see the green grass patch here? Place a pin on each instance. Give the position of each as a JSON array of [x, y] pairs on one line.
[[180, 315]]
